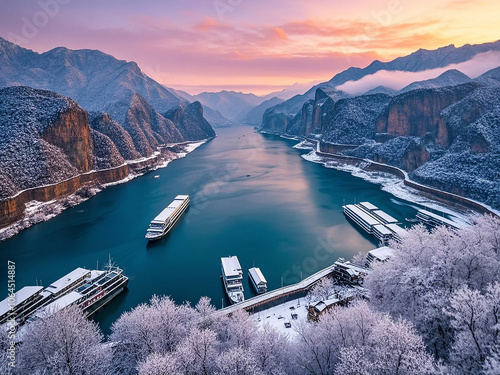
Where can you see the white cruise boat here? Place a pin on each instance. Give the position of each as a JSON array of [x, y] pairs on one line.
[[88, 289], [162, 223], [232, 277]]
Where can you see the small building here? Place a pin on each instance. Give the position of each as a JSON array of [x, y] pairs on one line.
[[380, 254], [350, 273], [317, 308]]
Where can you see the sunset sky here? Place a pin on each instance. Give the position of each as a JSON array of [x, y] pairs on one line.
[[249, 45]]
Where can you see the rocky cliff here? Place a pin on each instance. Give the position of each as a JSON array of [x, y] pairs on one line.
[[44, 138], [418, 113], [190, 122], [48, 149]]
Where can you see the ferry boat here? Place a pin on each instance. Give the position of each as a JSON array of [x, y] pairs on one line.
[[232, 277], [88, 289], [375, 221], [162, 223], [258, 280]]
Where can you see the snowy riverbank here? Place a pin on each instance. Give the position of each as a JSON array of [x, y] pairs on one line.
[[389, 183], [37, 212]]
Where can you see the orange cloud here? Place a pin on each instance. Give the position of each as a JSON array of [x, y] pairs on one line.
[[207, 24], [280, 33]]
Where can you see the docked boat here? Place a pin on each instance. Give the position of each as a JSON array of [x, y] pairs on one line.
[[88, 289], [232, 277], [165, 221], [375, 221], [258, 280]]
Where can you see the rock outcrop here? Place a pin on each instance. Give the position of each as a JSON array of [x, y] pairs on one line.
[[190, 122], [418, 113]]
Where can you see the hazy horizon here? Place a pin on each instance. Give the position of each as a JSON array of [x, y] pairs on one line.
[[248, 46]]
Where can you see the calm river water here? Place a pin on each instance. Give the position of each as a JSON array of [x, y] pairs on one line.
[[252, 196]]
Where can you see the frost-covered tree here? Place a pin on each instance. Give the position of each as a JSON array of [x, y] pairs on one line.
[[475, 319], [197, 353], [158, 364], [428, 269], [237, 361], [63, 343], [322, 289], [271, 351], [358, 340], [156, 327], [238, 330], [320, 344]]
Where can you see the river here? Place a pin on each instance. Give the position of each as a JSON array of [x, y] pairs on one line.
[[252, 195]]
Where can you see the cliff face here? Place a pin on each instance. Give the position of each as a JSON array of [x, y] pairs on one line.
[[48, 149], [45, 138], [71, 133], [148, 128], [418, 113], [190, 122]]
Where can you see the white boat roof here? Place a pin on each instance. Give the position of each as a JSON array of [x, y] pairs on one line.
[[382, 229], [21, 295], [231, 266], [388, 218], [169, 210], [370, 220], [368, 206], [440, 218], [382, 253], [397, 229], [64, 281], [59, 304], [256, 275]]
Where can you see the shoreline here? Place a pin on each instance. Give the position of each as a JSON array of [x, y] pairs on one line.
[[398, 184], [88, 184]]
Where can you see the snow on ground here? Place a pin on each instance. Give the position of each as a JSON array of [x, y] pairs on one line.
[[278, 315], [305, 145], [392, 185]]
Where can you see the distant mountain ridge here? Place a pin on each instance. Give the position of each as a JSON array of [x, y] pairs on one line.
[[98, 82], [451, 77], [420, 60]]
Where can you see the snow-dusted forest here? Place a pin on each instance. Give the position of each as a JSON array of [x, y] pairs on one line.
[[434, 309]]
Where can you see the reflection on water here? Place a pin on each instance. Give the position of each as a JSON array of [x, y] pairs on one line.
[[252, 195]]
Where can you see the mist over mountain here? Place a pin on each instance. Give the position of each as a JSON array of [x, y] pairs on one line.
[[451, 77], [419, 61]]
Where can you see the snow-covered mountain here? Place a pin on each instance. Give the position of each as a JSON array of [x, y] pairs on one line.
[[44, 138], [213, 116], [451, 77], [95, 80], [418, 61], [444, 131]]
